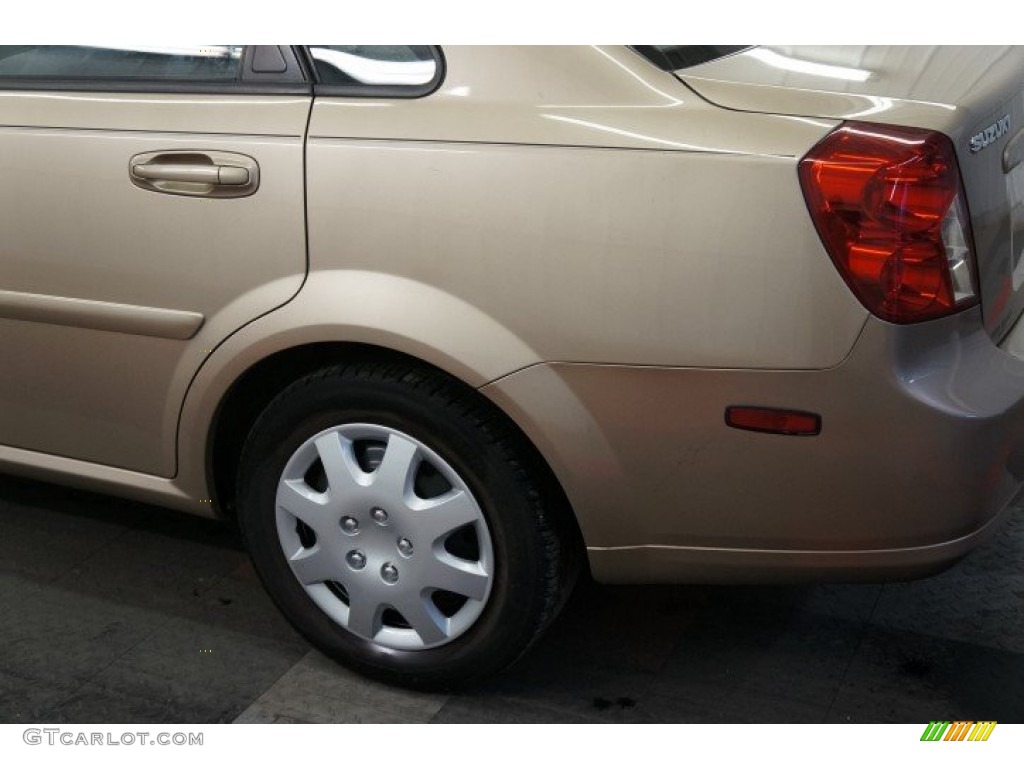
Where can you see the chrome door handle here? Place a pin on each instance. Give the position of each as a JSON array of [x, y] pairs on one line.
[[196, 174]]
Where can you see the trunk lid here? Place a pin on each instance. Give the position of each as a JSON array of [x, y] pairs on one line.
[[974, 95]]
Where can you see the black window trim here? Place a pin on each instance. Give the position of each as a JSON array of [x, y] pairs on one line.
[[651, 60], [293, 82], [381, 91]]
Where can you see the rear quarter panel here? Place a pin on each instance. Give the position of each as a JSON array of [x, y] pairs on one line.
[[590, 205]]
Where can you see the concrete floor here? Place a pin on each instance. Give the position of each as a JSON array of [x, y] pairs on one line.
[[119, 612]]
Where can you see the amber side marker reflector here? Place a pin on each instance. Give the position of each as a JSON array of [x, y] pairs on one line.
[[778, 421]]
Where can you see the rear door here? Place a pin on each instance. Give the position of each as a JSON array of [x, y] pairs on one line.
[[151, 203]]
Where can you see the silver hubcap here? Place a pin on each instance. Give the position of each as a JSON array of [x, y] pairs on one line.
[[384, 536]]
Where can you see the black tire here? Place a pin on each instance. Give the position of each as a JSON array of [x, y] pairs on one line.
[[536, 556]]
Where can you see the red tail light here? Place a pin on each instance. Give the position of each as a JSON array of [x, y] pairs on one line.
[[890, 208]]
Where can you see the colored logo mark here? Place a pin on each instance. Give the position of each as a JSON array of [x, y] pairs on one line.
[[943, 730]]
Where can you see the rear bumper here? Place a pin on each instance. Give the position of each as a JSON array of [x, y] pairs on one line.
[[710, 565], [921, 449]]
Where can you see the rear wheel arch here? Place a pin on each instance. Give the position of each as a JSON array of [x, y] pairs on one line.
[[252, 391]]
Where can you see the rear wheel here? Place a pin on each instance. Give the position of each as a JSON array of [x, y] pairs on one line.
[[400, 524]]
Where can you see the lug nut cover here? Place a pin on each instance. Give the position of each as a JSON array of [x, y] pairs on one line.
[[356, 559]]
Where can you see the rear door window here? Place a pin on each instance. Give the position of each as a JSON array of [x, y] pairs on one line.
[[367, 70], [210, 63]]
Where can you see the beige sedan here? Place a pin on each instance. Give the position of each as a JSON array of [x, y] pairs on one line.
[[440, 326]]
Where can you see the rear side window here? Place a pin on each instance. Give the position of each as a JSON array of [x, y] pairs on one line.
[[672, 57], [210, 63], [412, 68]]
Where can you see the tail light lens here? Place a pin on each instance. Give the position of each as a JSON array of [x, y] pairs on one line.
[[889, 206]]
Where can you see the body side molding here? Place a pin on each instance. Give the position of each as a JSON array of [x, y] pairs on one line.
[[100, 315]]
